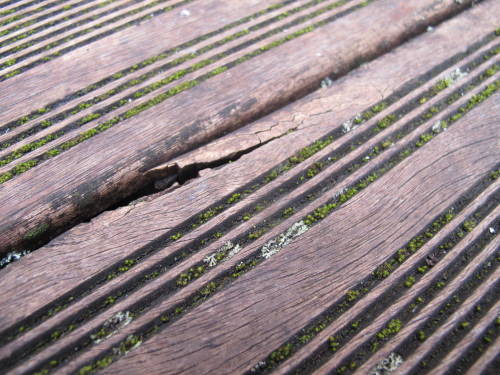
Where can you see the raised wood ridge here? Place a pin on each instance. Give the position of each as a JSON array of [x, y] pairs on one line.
[[289, 187]]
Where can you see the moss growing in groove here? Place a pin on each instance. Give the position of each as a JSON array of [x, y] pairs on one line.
[[279, 355], [175, 237], [234, 198], [494, 175], [191, 274], [351, 295], [386, 121], [409, 282], [12, 74], [392, 328], [36, 232], [288, 212], [469, 225]]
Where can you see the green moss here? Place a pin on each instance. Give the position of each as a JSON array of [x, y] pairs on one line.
[[234, 198], [469, 225], [55, 335], [175, 237], [270, 177], [384, 270], [36, 232], [333, 344], [422, 269], [351, 295], [209, 289], [209, 214], [12, 74], [386, 144], [191, 274], [288, 212], [409, 282], [440, 284], [256, 234], [424, 138], [308, 151], [392, 328], [279, 355], [386, 121]]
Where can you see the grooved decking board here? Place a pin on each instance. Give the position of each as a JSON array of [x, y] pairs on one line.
[[100, 171], [424, 283], [98, 240], [279, 296], [410, 141]]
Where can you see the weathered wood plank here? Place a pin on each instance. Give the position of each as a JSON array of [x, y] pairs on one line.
[[486, 359], [290, 284], [194, 274], [411, 365], [99, 244], [421, 316], [165, 142], [116, 52], [388, 283]]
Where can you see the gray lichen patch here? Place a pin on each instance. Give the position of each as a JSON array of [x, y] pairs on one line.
[[387, 365], [326, 82], [274, 245], [455, 76], [232, 251], [132, 342], [112, 325], [351, 124], [225, 252]]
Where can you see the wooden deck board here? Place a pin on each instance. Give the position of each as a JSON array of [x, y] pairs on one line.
[[165, 142], [283, 295], [209, 195], [307, 225]]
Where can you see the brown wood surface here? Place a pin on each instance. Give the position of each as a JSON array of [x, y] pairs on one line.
[[421, 317], [225, 136], [448, 326], [98, 240], [411, 295], [280, 296], [102, 175], [487, 358]]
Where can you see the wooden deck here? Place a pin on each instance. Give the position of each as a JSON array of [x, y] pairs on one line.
[[250, 187]]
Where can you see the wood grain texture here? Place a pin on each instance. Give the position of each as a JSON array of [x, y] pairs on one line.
[[478, 331], [388, 283], [252, 315], [422, 316], [480, 366], [451, 323], [281, 295], [114, 53], [129, 95], [117, 234], [161, 141]]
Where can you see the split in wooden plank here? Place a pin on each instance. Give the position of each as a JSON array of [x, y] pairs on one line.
[[123, 172], [158, 215], [299, 280]]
